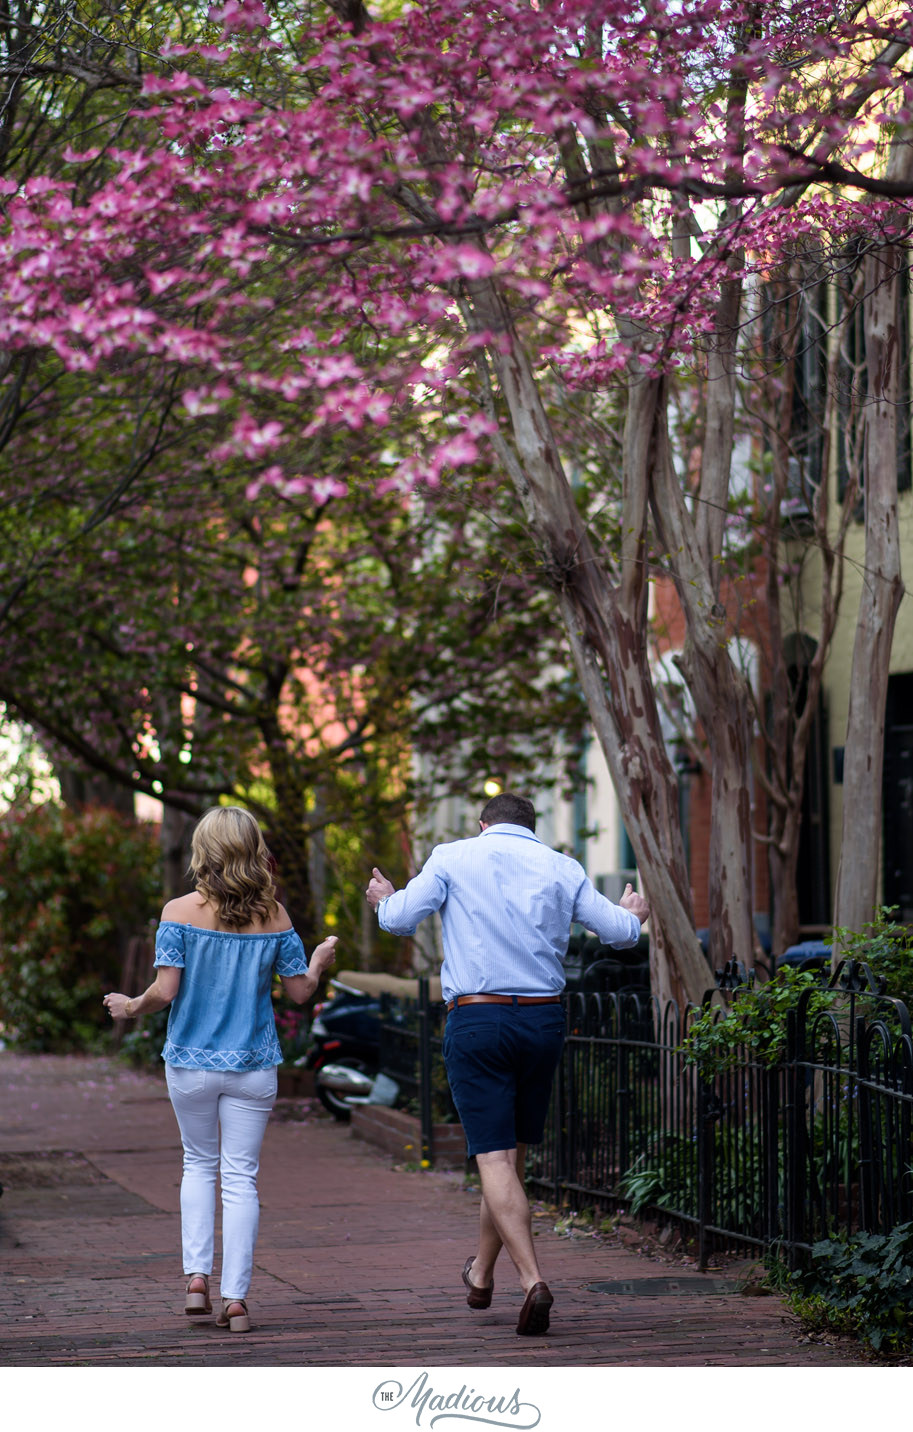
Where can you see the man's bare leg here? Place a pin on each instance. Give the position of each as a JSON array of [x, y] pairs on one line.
[[490, 1243], [504, 1218]]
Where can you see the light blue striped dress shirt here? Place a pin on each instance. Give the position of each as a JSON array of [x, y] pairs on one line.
[[507, 903]]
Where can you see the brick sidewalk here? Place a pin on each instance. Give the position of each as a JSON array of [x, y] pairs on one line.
[[357, 1264]]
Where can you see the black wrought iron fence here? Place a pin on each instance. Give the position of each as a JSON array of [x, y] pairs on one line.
[[411, 1054], [789, 1150], [785, 1150]]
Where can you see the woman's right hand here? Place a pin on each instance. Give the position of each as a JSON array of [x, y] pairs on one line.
[[116, 1005]]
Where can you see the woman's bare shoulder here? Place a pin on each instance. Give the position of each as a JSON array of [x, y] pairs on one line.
[[279, 922], [186, 910], [194, 910]]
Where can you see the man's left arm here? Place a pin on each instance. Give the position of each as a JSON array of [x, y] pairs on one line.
[[617, 925]]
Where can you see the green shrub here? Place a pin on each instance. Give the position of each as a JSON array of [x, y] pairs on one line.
[[75, 886], [756, 1023], [862, 1284], [887, 948], [665, 1176]]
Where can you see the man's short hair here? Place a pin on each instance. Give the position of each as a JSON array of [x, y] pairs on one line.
[[507, 809]]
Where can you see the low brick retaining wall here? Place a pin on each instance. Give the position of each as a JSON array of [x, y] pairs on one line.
[[400, 1134]]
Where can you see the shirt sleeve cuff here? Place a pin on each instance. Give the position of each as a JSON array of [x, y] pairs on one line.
[[385, 924]]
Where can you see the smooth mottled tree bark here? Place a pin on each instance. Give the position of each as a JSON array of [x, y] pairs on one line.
[[882, 591], [606, 628]]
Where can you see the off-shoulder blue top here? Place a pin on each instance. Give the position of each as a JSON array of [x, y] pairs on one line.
[[222, 1016]]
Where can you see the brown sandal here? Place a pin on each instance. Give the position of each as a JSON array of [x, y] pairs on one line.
[[198, 1301], [235, 1322]]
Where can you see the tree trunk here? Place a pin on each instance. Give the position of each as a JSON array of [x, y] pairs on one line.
[[80, 788], [317, 858], [719, 689], [289, 846], [882, 591], [174, 841], [626, 723], [784, 865], [794, 677], [732, 934], [606, 628]]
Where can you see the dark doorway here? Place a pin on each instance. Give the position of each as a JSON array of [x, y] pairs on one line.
[[898, 796], [813, 870], [813, 866]]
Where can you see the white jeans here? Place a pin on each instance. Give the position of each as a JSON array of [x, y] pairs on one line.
[[203, 1100]]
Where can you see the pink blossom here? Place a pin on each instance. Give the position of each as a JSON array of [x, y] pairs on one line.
[[461, 261], [236, 15], [73, 156]]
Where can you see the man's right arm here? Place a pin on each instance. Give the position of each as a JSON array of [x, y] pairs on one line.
[[400, 912]]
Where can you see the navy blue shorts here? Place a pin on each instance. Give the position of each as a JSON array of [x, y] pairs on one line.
[[501, 1061]]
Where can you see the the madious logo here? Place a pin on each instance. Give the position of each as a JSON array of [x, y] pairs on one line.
[[466, 1404]]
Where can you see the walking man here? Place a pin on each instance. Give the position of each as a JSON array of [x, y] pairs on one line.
[[506, 903]]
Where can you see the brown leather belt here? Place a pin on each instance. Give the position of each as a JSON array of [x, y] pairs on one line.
[[504, 999]]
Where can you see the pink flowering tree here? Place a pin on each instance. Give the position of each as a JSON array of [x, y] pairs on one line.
[[456, 218], [207, 639], [211, 631]]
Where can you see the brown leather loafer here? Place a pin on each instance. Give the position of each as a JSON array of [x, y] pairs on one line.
[[477, 1297], [534, 1314]]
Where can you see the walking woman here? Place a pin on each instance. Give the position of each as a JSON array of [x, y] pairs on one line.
[[216, 952]]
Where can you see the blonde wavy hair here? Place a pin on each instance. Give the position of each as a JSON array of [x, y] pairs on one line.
[[231, 866]]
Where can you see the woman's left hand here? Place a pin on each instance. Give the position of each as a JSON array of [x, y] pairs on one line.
[[116, 1005]]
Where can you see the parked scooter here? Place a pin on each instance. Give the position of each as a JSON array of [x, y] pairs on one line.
[[345, 1048], [345, 1035]]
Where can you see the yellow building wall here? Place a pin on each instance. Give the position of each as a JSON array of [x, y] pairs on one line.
[[836, 684]]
